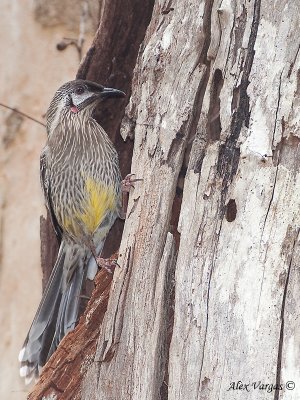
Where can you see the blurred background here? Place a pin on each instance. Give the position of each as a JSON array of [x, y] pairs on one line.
[[35, 61]]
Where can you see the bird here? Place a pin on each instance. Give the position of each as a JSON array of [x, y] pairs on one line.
[[82, 186]]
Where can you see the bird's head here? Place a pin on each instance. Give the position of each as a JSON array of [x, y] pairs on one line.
[[76, 96], [80, 94]]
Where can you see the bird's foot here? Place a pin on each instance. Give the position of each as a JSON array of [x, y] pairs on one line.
[[109, 264], [127, 183]]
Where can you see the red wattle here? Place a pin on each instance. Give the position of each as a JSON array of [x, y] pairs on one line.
[[74, 109]]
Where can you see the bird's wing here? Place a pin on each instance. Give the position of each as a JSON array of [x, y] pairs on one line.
[[45, 182]]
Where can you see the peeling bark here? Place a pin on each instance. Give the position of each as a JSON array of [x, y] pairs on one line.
[[228, 323]]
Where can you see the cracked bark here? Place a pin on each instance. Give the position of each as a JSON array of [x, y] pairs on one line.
[[218, 207], [282, 317]]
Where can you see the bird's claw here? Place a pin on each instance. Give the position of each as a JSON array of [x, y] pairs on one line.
[[109, 264], [127, 183]]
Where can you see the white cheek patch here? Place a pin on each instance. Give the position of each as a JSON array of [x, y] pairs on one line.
[[77, 99]]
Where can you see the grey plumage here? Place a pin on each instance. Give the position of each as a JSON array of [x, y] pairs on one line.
[[81, 182]]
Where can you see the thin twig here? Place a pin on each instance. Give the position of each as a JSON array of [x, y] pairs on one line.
[[78, 43], [21, 113]]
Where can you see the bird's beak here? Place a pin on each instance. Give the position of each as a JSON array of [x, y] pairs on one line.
[[110, 92]]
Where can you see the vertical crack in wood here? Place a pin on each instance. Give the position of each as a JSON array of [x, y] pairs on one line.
[[206, 31], [190, 129], [169, 293], [213, 126], [293, 62], [229, 152], [106, 353], [277, 107], [277, 157], [216, 242], [237, 34], [270, 202], [280, 343]]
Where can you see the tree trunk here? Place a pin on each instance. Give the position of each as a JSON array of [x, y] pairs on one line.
[[213, 113]]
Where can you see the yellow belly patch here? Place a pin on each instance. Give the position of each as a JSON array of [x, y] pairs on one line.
[[98, 201]]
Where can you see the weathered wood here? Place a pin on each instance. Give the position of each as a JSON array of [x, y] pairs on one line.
[[236, 285], [132, 344], [288, 349]]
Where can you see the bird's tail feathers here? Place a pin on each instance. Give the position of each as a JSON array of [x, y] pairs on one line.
[[57, 313]]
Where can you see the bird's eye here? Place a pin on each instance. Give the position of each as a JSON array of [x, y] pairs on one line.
[[79, 90]]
